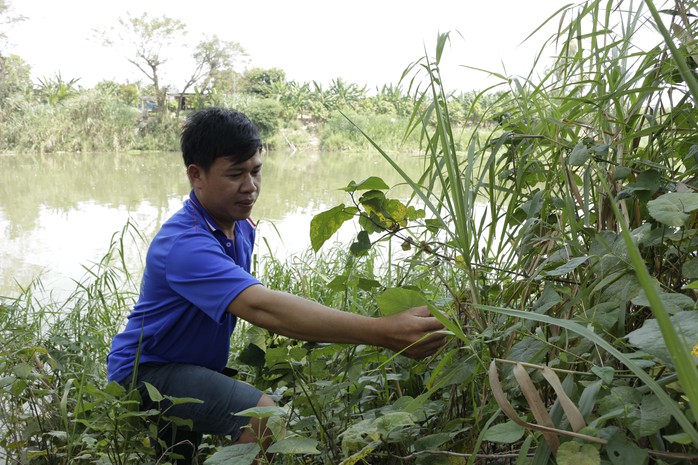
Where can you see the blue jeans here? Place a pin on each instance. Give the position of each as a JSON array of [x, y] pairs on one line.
[[222, 397]]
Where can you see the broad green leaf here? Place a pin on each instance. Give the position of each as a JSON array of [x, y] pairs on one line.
[[373, 182], [184, 400], [397, 211], [678, 438], [619, 397], [606, 374], [153, 393], [362, 245], [548, 299], [360, 455], [367, 284], [22, 370], [325, 224], [689, 270], [395, 300], [621, 172], [645, 186], [115, 389], [620, 451], [673, 208], [529, 349], [372, 199], [371, 223], [649, 418], [432, 441], [62, 435], [257, 336], [179, 421], [646, 181], [649, 337], [580, 154], [415, 214], [568, 267], [392, 421], [262, 412], [600, 149], [18, 387], [359, 435], [575, 453], [341, 283], [294, 446], [239, 454], [252, 355], [297, 353], [6, 381], [605, 314], [506, 433], [276, 356], [673, 301]]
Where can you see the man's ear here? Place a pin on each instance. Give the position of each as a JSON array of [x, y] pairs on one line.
[[194, 173]]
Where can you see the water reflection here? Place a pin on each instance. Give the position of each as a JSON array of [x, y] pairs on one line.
[[59, 212]]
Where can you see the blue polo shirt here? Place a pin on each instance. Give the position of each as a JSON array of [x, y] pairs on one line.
[[192, 273]]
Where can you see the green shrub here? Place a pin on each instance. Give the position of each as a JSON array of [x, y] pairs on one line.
[[265, 113]]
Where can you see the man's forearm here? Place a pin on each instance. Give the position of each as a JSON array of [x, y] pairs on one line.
[[299, 318]]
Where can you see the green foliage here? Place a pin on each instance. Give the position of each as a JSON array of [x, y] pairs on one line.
[[55, 406], [262, 82], [14, 77], [556, 239], [89, 121], [265, 114], [339, 134], [55, 90], [566, 236]]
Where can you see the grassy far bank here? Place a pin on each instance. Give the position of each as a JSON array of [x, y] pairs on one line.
[[107, 118], [571, 303]]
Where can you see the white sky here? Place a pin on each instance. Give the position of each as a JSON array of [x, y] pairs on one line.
[[364, 41]]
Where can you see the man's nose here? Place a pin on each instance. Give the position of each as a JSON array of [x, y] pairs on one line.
[[249, 184]]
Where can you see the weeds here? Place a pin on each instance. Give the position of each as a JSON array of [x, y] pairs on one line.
[[580, 261]]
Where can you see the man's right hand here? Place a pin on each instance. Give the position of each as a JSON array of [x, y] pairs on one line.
[[411, 333]]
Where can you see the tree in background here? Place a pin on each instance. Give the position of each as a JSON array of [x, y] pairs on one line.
[[56, 89], [263, 82], [14, 72], [7, 20], [344, 94], [15, 77], [265, 114], [212, 56], [128, 94], [148, 39], [296, 100]]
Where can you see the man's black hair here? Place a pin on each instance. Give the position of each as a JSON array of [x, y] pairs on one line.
[[217, 132]]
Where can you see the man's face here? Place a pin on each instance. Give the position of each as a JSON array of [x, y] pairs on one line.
[[229, 190]]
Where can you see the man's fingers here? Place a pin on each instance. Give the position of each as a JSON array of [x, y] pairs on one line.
[[425, 348], [430, 344], [432, 324], [421, 311]]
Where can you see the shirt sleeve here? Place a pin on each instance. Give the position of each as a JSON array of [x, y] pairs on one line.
[[198, 269]]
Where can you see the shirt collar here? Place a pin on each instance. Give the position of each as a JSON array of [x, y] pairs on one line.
[[210, 222]]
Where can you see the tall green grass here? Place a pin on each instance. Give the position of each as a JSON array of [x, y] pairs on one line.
[[582, 257]]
